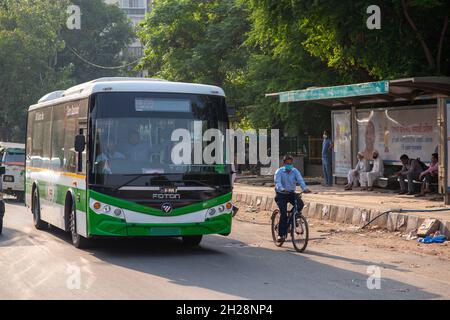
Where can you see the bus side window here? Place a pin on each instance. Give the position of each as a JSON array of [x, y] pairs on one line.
[[57, 158]]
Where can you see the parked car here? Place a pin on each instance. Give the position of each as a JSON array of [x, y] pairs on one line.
[[13, 180], [2, 203]]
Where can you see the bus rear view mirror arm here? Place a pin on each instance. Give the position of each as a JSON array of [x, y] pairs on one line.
[[80, 143]]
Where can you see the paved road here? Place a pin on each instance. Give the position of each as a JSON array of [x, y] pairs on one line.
[[42, 264]]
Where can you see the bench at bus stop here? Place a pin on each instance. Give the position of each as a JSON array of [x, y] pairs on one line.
[[384, 182], [390, 180]]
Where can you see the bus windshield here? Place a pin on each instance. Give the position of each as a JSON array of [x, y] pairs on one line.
[[131, 132]]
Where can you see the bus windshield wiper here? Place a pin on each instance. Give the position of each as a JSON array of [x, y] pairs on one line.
[[135, 177]]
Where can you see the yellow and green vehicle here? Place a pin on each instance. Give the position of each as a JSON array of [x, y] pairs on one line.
[[99, 161]]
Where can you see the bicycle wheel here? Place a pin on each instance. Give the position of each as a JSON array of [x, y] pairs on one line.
[[275, 223], [300, 233]]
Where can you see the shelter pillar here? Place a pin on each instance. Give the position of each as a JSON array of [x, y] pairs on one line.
[[443, 126], [354, 136]]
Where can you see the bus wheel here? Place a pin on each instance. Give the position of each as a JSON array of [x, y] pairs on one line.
[[38, 223], [78, 241], [2, 213], [192, 241]]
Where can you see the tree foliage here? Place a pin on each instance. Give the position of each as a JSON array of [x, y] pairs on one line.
[[29, 42], [105, 33], [35, 58], [412, 41], [252, 47], [197, 41]]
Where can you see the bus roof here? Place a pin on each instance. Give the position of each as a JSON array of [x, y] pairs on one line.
[[125, 85]]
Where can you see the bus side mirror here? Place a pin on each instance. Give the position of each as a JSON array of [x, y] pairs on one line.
[[80, 143], [2, 170]]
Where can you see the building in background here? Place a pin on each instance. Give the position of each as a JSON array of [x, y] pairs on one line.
[[136, 11]]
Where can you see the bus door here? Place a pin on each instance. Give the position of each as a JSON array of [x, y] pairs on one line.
[[79, 184]]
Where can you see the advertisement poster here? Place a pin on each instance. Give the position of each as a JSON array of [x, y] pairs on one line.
[[393, 132], [342, 143]]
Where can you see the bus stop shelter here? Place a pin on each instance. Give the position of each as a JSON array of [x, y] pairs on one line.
[[395, 117]]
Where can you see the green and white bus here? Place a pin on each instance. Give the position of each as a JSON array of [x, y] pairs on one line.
[[98, 161]]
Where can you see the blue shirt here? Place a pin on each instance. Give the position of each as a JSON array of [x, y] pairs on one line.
[[326, 148], [288, 181]]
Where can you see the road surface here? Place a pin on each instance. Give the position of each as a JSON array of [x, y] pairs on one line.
[[43, 265]]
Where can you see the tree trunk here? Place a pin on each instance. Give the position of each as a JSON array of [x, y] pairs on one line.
[[441, 43], [427, 51]]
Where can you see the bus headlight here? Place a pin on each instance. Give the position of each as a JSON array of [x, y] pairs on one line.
[[103, 208], [218, 210], [97, 205]]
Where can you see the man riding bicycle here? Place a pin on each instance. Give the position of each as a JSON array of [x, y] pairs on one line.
[[286, 179]]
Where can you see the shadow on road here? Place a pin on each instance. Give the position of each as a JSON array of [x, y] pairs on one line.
[[232, 267], [17, 238], [228, 266]]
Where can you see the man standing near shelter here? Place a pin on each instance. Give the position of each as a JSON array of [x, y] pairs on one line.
[[411, 170], [327, 148]]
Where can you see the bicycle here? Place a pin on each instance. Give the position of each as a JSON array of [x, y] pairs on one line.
[[297, 228]]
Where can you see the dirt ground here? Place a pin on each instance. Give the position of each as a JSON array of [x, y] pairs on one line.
[[370, 237]]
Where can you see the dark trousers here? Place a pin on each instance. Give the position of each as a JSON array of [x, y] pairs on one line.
[[282, 201], [428, 180], [327, 171], [410, 177]]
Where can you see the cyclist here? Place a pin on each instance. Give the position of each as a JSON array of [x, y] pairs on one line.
[[286, 179]]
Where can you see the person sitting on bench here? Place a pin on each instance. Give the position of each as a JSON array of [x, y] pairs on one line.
[[367, 179], [411, 170], [429, 176], [361, 166]]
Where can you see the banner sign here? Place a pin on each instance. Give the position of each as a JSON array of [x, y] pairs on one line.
[[393, 132], [342, 143], [346, 91]]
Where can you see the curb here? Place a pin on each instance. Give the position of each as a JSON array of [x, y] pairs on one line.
[[357, 216]]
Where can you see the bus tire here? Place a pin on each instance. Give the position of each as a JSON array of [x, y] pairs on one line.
[[2, 214], [36, 210], [78, 240], [192, 241]]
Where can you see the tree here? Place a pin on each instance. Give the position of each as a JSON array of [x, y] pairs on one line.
[[28, 45], [102, 40], [197, 41], [412, 41]]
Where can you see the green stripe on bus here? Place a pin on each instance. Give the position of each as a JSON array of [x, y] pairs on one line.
[[157, 212]]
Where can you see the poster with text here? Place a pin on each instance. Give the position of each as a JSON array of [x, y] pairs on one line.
[[342, 143], [393, 132]]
